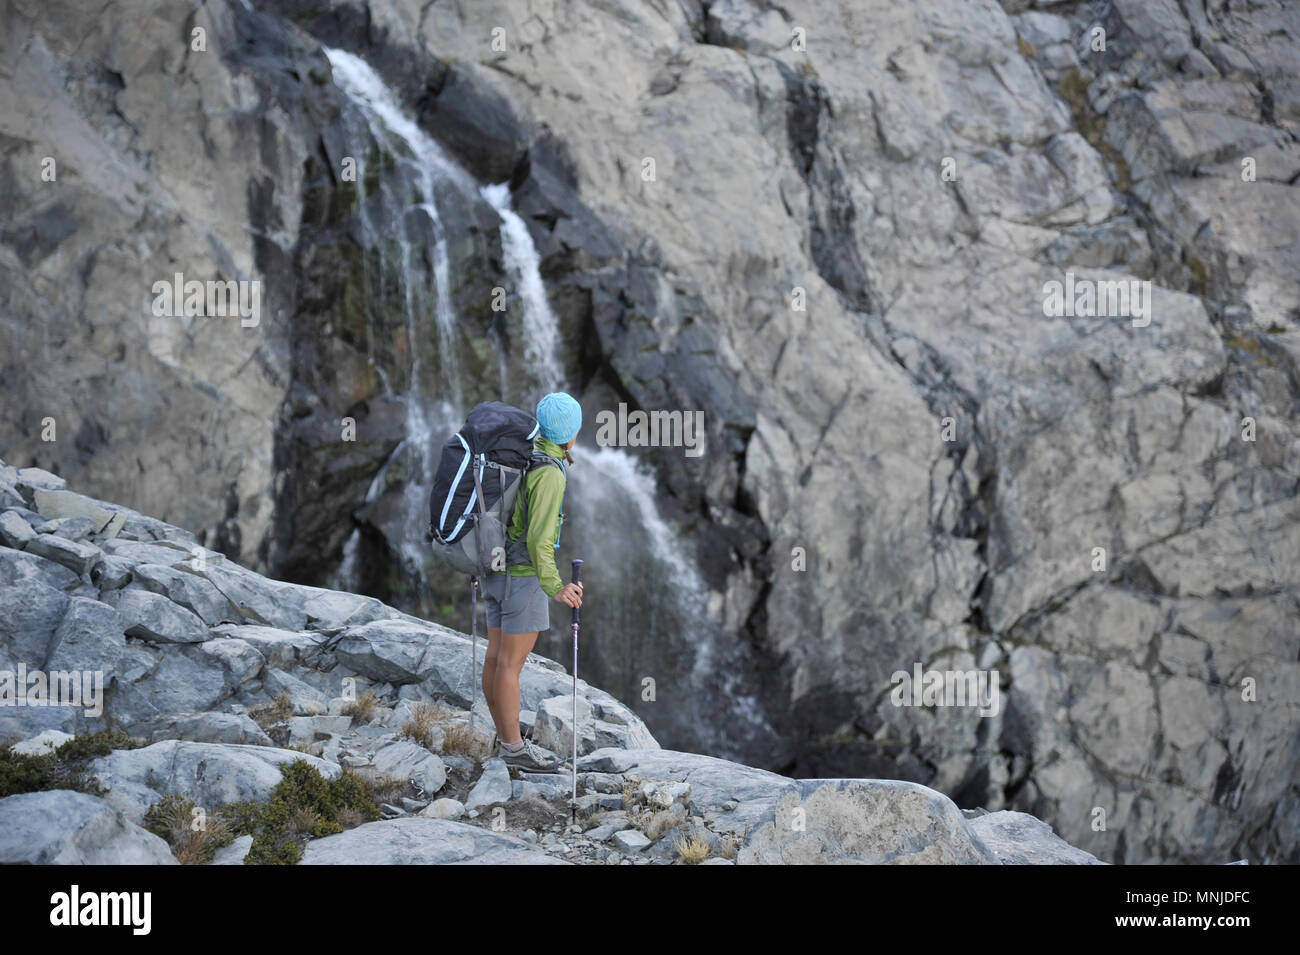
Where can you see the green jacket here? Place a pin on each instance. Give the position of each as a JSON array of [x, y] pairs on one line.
[[545, 489]]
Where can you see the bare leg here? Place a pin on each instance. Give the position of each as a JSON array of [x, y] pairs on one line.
[[490, 675], [512, 651]]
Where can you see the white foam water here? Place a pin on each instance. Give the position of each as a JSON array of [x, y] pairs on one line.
[[430, 168], [541, 329]]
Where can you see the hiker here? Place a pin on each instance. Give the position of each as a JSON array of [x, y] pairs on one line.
[[515, 619]]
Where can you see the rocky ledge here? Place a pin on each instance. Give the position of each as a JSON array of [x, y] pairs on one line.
[[200, 683]]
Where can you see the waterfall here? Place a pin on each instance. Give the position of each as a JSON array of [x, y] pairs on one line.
[[429, 169], [347, 571], [541, 330]]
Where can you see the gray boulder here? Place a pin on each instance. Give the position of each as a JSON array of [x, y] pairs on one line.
[[405, 759], [184, 680], [864, 821], [396, 651], [284, 649], [42, 744], [257, 599], [30, 612], [444, 809], [418, 840], [111, 573], [713, 782], [189, 590], [69, 528], [30, 480], [78, 556], [153, 617], [553, 725], [240, 659], [23, 722], [90, 637], [493, 786], [61, 827], [17, 566], [540, 786], [629, 840], [208, 773], [14, 531], [1018, 838], [332, 610], [202, 728], [137, 553], [305, 730], [305, 699], [60, 504]]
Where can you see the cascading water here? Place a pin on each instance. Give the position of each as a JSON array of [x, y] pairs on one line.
[[426, 422], [649, 617], [541, 330]]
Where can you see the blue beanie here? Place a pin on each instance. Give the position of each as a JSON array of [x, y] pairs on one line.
[[560, 416]]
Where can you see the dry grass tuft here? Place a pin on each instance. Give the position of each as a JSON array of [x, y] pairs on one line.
[[194, 836], [350, 818], [425, 718], [691, 850], [363, 708], [460, 741], [730, 847], [268, 714]]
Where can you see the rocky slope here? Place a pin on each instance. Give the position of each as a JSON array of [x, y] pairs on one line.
[[188, 644], [840, 258]]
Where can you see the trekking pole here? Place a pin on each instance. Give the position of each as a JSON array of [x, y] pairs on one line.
[[473, 648], [573, 802]]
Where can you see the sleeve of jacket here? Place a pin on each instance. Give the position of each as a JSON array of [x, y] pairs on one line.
[[543, 525]]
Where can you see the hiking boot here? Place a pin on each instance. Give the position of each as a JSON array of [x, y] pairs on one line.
[[497, 748], [532, 758]]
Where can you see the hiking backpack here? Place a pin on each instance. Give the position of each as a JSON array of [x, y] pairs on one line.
[[477, 485]]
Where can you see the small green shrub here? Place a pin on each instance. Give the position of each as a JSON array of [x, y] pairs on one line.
[[24, 774], [94, 744], [304, 805], [62, 769], [242, 817]]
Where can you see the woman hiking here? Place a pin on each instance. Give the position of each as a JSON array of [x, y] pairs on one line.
[[515, 619]]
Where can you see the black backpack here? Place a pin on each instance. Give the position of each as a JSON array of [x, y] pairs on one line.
[[476, 486]]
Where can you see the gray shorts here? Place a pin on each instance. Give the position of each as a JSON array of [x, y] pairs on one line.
[[526, 611]]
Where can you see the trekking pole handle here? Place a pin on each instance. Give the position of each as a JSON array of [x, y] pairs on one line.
[[577, 573]]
